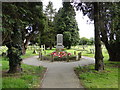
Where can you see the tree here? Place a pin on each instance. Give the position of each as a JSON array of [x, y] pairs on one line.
[[48, 36], [65, 23], [109, 26], [94, 13], [99, 65], [67, 39], [36, 21], [84, 41], [14, 39], [16, 17], [110, 30], [27, 16], [91, 41]]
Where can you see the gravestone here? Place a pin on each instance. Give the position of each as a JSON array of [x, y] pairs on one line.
[[59, 41], [44, 48]]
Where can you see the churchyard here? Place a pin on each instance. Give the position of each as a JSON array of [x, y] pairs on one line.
[[42, 47], [86, 74]]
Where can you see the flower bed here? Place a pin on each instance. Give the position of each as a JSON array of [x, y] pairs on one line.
[[62, 56]]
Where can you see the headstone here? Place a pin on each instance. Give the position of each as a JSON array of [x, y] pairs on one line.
[[44, 52], [79, 55], [74, 52], [52, 59], [59, 41], [34, 52], [67, 58], [42, 48], [40, 55], [31, 47]]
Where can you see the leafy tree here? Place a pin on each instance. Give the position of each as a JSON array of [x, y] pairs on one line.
[[67, 39], [65, 23], [27, 16], [11, 27], [48, 36], [91, 41], [84, 41], [109, 26], [16, 17], [36, 22], [93, 11], [110, 30], [99, 65]]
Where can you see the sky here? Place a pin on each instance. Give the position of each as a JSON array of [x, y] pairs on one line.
[[86, 29]]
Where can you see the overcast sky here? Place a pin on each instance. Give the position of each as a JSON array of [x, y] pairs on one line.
[[85, 28]]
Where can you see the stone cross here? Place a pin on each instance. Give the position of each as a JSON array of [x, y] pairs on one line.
[[59, 41]]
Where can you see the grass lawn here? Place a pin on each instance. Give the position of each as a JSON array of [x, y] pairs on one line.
[[29, 53], [86, 51], [93, 79], [88, 76], [102, 79], [29, 78]]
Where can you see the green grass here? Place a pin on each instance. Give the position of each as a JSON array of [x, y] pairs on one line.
[[29, 78], [48, 51], [3, 49], [0, 74], [102, 79], [88, 76], [87, 52], [29, 53], [79, 48], [68, 50]]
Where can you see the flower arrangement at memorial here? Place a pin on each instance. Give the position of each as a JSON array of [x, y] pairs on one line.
[[60, 54]]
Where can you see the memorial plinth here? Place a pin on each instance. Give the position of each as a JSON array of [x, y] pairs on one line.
[[59, 45]]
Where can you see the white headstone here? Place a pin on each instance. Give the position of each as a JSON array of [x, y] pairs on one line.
[[59, 41], [42, 48]]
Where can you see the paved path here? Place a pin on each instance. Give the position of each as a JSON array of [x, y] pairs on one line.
[[60, 74]]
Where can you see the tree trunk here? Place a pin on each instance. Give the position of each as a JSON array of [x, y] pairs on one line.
[[14, 68], [24, 50], [99, 65], [114, 55], [25, 44], [113, 51], [14, 58], [50, 47], [28, 38], [15, 51]]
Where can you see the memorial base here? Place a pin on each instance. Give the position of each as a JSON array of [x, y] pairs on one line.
[[59, 47]]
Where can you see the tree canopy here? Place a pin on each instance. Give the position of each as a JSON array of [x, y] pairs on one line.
[[49, 33], [65, 23], [108, 22], [21, 21]]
